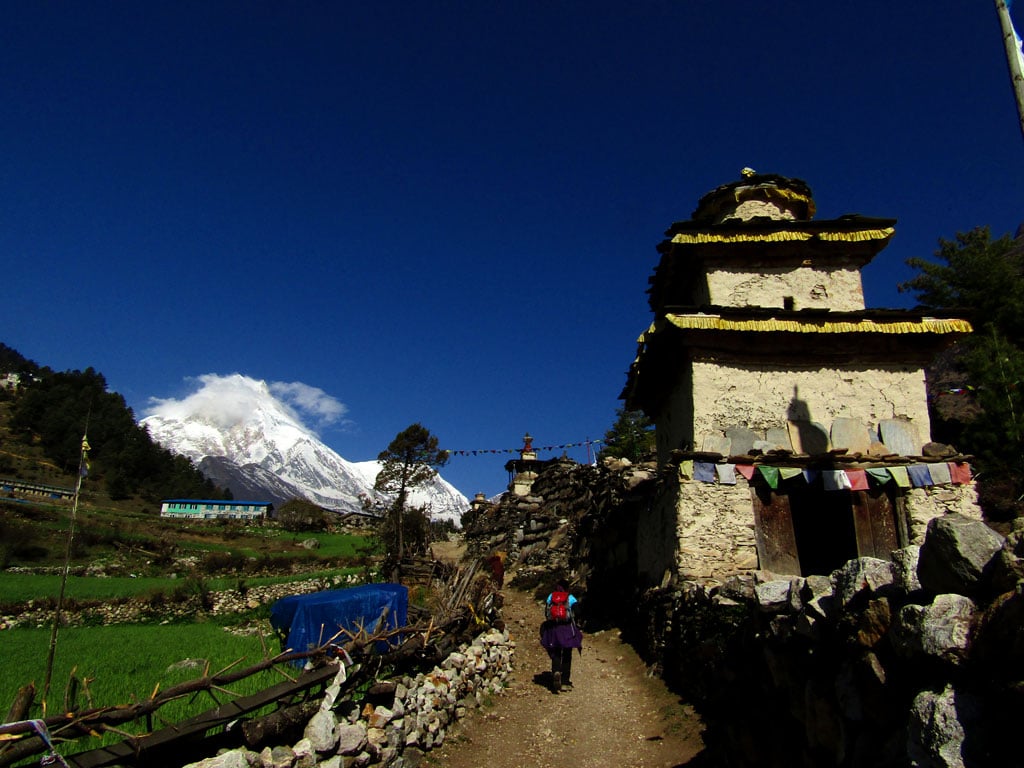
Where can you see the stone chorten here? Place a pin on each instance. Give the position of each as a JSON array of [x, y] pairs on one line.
[[762, 354]]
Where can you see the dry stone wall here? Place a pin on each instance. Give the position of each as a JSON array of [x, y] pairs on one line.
[[914, 661], [350, 731], [578, 522]]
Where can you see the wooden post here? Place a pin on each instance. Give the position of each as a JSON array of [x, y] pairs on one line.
[[1013, 58]]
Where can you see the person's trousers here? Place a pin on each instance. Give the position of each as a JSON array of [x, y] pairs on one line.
[[561, 663]]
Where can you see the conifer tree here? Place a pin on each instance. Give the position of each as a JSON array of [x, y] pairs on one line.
[[410, 461], [630, 437], [985, 278]]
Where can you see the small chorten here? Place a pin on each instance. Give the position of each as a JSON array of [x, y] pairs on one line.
[[757, 195]]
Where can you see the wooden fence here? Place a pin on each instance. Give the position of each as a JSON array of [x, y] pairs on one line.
[[417, 646]]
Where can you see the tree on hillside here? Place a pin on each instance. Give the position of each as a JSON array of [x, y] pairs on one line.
[[630, 437], [54, 409], [410, 461], [299, 515], [985, 277]]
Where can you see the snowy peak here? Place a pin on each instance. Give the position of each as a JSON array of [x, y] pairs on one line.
[[245, 435]]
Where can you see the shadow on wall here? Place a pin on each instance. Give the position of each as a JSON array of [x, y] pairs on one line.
[[806, 436]]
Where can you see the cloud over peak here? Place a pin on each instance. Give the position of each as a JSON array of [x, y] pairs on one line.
[[226, 400]]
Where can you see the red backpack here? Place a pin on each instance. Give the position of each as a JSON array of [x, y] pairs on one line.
[[558, 609]]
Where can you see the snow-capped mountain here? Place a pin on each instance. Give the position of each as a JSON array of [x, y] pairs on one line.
[[255, 445]]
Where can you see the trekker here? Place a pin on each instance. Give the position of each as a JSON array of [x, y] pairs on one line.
[[559, 635]]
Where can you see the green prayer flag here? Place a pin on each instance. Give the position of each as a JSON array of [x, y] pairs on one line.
[[901, 476], [770, 475]]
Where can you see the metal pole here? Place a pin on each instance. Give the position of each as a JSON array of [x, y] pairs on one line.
[[1013, 58]]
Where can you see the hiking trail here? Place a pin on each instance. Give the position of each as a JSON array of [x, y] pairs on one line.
[[615, 713]]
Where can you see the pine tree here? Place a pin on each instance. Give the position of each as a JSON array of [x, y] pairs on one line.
[[985, 277], [410, 461], [630, 437]]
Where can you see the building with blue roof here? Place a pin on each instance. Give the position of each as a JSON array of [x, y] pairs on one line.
[[214, 509]]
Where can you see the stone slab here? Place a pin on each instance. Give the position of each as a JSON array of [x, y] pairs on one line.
[[808, 437], [742, 439], [779, 438], [716, 443], [851, 434], [900, 436]]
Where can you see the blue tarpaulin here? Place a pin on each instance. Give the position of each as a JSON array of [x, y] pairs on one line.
[[310, 620]]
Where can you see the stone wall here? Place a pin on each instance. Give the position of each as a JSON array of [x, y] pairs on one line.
[[922, 505], [577, 522], [353, 731], [916, 661]]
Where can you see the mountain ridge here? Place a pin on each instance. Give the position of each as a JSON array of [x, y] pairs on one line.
[[257, 447]]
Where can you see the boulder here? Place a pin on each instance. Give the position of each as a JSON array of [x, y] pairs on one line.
[[937, 727], [861, 578], [939, 631], [236, 758], [321, 731], [351, 738], [772, 596], [904, 570], [956, 555], [1008, 565]]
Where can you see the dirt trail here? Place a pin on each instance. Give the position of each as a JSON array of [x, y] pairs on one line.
[[614, 715]]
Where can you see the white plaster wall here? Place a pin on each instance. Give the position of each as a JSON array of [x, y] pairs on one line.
[[811, 288], [748, 209], [760, 397]]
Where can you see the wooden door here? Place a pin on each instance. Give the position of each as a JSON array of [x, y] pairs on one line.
[[875, 523], [774, 533]]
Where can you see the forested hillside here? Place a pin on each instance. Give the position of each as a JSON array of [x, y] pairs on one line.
[[48, 413]]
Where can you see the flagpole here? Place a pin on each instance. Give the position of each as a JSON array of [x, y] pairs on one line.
[[1014, 57], [82, 464]]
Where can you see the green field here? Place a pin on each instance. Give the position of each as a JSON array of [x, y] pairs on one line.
[[18, 588], [123, 664]]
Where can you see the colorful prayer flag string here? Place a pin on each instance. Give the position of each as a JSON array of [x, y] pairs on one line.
[[558, 447]]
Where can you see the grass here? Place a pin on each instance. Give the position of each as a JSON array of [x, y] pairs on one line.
[[125, 663]]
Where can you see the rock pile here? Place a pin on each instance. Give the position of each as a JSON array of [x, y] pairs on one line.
[[914, 661], [577, 522], [413, 717]]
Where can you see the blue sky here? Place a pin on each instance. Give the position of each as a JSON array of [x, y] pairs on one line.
[[447, 212]]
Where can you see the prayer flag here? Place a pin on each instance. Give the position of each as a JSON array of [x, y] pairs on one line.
[[704, 471], [879, 474], [920, 477], [960, 472], [747, 470], [858, 479], [940, 473], [899, 474], [835, 480], [726, 473], [770, 475]]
